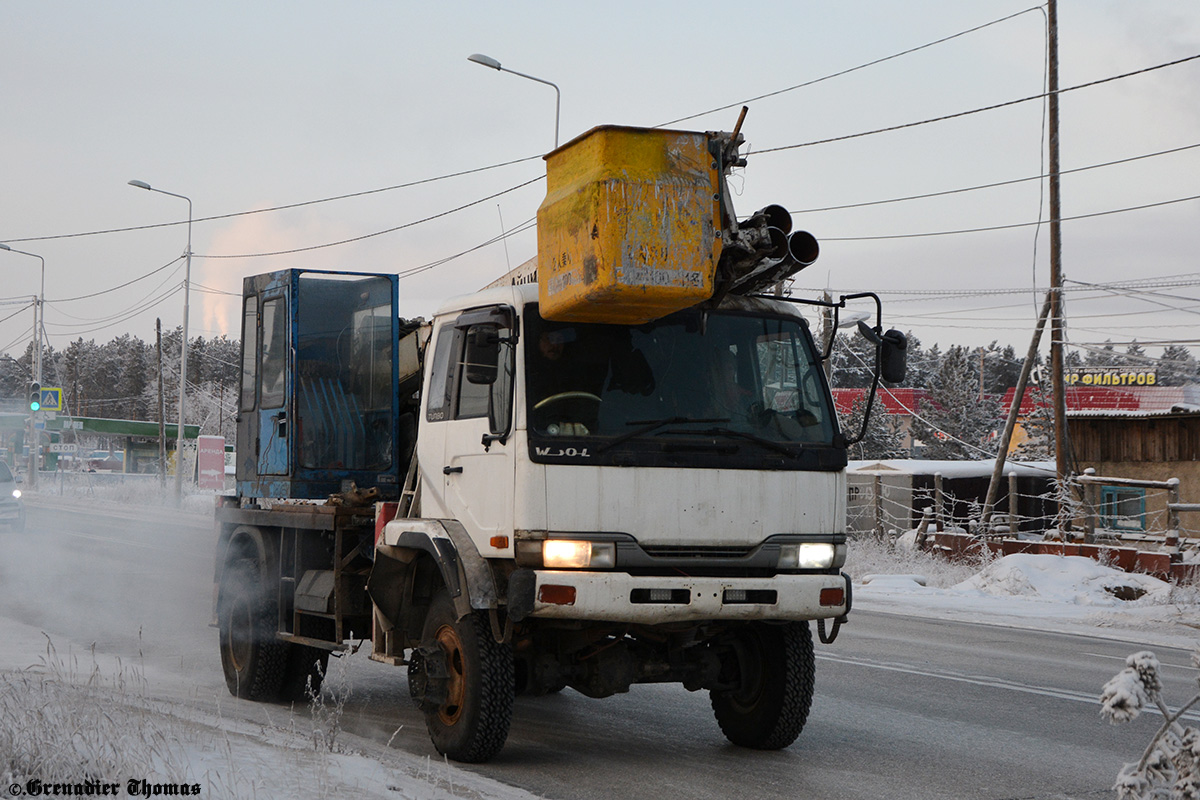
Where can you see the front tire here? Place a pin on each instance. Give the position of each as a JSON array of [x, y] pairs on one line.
[[473, 680], [775, 668], [254, 661]]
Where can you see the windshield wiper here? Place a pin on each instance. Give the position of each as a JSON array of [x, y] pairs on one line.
[[768, 443], [651, 425]]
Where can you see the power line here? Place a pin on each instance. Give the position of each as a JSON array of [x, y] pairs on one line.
[[520, 228], [1166, 281], [132, 313], [995, 185], [1011, 226], [87, 320], [122, 286], [980, 110], [378, 233], [20, 310], [851, 69], [274, 208]]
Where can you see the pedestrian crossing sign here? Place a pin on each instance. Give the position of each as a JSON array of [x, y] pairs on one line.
[[51, 398]]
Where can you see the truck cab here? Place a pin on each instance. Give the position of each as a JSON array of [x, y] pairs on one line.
[[662, 502]]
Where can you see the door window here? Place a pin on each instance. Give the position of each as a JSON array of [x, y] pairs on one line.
[[274, 352]]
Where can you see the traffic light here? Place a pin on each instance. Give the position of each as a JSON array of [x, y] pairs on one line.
[[35, 396]]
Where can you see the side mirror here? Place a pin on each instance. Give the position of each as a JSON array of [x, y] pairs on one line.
[[893, 352], [482, 357], [893, 357]]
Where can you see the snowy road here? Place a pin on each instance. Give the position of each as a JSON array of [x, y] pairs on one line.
[[906, 707]]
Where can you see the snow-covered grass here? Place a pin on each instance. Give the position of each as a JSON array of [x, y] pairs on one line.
[[81, 716], [870, 555], [64, 719], [125, 490]]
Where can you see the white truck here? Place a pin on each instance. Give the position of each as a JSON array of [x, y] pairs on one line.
[[519, 504]]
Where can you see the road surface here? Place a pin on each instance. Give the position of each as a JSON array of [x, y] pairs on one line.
[[905, 707]]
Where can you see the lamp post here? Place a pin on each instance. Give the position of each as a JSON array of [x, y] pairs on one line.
[[38, 322], [183, 348], [38, 303], [488, 61]]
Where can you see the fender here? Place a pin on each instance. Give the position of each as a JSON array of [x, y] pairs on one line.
[[465, 572]]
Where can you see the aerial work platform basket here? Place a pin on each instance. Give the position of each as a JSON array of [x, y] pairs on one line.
[[630, 229]]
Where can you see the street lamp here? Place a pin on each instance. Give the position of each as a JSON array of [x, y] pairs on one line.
[[183, 348], [488, 61], [38, 311]]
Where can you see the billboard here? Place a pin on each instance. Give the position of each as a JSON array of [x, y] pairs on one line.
[[210, 462]]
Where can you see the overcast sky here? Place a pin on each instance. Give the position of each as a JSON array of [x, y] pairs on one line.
[[243, 106]]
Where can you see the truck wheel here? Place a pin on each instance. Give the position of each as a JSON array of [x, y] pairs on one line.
[[304, 673], [775, 668], [253, 660], [463, 680]]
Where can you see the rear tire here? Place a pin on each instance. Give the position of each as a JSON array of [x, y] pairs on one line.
[[254, 661], [776, 668], [304, 673], [472, 723]]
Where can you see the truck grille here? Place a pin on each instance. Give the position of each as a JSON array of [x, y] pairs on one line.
[[697, 552]]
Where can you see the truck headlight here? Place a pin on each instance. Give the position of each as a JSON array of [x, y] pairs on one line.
[[17, 493], [811, 555], [578, 554]]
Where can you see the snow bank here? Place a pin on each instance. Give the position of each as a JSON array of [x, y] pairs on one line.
[[1063, 579], [1068, 594]]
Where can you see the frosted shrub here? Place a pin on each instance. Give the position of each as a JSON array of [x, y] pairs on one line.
[[872, 555], [1170, 765], [61, 723]]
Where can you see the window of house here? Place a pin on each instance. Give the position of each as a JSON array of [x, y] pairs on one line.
[[1123, 508]]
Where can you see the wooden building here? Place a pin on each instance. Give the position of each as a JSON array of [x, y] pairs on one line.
[[1140, 445]]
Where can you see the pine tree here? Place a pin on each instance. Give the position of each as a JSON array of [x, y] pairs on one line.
[[884, 437], [957, 423]]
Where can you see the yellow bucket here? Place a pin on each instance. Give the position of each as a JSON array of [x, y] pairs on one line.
[[630, 228]]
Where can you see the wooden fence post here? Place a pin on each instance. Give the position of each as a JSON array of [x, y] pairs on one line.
[[1089, 507], [1013, 517], [938, 499]]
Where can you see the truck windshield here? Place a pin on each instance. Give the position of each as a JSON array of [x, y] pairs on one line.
[[739, 380]]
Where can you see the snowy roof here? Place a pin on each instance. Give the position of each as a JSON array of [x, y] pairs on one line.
[[951, 469], [1127, 401]]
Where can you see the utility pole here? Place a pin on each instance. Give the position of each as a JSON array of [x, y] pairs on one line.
[[1062, 469]]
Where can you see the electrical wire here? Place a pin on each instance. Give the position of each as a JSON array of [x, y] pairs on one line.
[[979, 110], [377, 233], [86, 320], [20, 338], [1010, 226], [20, 310], [276, 208], [520, 228], [994, 185], [122, 286], [133, 313], [840, 73]]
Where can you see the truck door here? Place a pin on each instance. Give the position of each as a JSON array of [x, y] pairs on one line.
[[273, 394], [473, 419]]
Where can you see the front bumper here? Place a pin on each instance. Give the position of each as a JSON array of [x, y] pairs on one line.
[[621, 597]]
